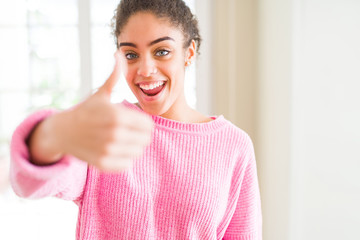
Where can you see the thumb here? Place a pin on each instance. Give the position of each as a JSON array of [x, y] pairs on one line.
[[110, 83]]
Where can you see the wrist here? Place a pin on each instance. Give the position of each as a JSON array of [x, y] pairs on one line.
[[45, 142], [60, 129]]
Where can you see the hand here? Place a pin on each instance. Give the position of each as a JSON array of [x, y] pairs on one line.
[[100, 133]]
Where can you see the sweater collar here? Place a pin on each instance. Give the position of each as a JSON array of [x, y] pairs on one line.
[[172, 125]]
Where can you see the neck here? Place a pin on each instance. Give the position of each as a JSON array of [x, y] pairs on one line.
[[180, 111]]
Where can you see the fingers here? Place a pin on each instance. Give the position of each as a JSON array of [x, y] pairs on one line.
[[126, 151], [115, 146], [119, 116], [121, 159], [115, 164], [126, 136], [135, 120], [110, 83]]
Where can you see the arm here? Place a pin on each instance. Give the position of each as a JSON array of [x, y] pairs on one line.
[[96, 131], [65, 178]]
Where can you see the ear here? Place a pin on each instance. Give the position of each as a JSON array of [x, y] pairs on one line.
[[190, 53]]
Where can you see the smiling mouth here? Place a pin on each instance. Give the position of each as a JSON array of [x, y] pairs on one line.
[[152, 89]]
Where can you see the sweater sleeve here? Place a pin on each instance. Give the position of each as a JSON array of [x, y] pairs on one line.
[[246, 223], [64, 179]]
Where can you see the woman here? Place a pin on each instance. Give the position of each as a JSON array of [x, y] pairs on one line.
[[152, 170]]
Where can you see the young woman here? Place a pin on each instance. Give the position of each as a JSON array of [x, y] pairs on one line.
[[157, 169]]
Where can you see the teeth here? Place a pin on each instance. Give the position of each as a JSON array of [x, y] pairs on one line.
[[151, 86]]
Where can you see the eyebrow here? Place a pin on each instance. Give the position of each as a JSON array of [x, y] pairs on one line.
[[151, 43]]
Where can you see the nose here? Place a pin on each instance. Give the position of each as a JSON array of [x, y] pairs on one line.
[[146, 67]]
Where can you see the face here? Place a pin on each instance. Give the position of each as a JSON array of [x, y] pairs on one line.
[[154, 52]]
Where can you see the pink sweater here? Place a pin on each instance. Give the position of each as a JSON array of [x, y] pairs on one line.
[[194, 181]]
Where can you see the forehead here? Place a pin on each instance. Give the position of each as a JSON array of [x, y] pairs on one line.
[[144, 27]]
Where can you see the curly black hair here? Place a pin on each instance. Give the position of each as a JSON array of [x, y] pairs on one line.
[[176, 11]]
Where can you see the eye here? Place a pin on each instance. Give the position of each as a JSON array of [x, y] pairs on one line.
[[162, 52], [130, 56]]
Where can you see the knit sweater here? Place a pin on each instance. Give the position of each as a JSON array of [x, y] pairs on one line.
[[194, 181]]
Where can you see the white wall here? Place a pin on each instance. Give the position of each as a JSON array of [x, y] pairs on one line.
[[326, 120], [308, 130], [204, 77]]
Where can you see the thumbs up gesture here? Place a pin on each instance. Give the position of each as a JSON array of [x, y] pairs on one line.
[[104, 135]]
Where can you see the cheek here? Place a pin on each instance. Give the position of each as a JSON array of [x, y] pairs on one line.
[[174, 69]]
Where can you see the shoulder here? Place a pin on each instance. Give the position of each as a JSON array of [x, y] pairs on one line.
[[238, 139], [236, 132]]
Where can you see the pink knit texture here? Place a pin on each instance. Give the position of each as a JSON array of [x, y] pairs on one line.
[[194, 181]]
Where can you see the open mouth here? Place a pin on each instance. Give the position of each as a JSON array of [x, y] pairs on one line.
[[152, 89]]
